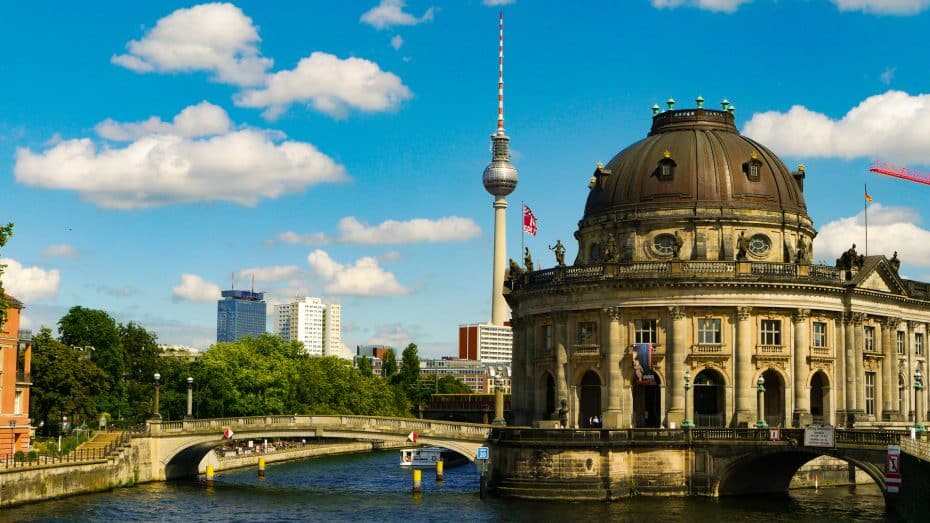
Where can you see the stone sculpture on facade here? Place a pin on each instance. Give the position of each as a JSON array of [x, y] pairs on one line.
[[611, 253], [676, 248], [527, 259], [742, 246], [850, 259], [559, 251], [895, 262]]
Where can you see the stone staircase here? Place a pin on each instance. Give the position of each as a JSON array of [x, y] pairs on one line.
[[101, 444]]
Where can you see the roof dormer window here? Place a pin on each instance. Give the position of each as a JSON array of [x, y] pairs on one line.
[[666, 168], [753, 167]]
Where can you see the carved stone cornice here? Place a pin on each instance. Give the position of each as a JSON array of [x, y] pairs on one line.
[[676, 313], [913, 325], [763, 361], [743, 313], [891, 322], [856, 318], [801, 315]]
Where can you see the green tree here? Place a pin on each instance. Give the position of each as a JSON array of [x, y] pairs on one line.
[[364, 366], [83, 327], [64, 383], [449, 384], [5, 233], [409, 365], [142, 360], [389, 364]]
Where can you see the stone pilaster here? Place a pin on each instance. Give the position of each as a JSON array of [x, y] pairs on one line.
[[529, 369], [613, 415], [890, 369], [799, 352], [859, 371], [675, 353], [839, 370], [744, 387], [518, 385], [561, 359]]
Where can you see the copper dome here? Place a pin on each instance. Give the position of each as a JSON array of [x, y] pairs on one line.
[[696, 158]]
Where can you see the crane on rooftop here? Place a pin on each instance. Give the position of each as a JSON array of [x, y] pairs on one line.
[[904, 173]]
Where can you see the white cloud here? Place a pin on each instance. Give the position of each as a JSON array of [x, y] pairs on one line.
[[397, 41], [498, 2], [196, 289], [29, 283], [364, 278], [271, 273], [116, 292], [886, 7], [887, 75], [890, 229], [395, 335], [330, 85], [723, 6], [61, 250], [203, 119], [390, 257], [243, 166], [391, 12], [217, 38], [417, 230], [892, 126]]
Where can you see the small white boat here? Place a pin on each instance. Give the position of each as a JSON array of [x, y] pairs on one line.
[[420, 457]]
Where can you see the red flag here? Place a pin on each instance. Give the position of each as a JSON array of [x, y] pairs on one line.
[[413, 436], [529, 220]]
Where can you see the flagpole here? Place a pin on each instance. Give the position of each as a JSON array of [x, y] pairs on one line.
[[865, 204]]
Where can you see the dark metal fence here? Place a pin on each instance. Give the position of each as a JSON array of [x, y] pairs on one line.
[[39, 459]]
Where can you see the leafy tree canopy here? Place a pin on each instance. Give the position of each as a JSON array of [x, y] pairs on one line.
[[5, 232]]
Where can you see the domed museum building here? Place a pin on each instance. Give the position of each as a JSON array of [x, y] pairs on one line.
[[693, 301]]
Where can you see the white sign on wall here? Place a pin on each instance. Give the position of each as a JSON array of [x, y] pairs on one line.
[[820, 436]]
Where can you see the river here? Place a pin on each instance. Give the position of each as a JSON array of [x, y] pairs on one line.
[[370, 487]]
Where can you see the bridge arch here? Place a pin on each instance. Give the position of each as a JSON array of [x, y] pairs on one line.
[[767, 471]]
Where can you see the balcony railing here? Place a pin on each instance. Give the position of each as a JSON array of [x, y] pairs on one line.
[[23, 377], [707, 348], [587, 350], [771, 349]]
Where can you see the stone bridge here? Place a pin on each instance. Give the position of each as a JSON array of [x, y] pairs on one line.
[[612, 464], [177, 447]]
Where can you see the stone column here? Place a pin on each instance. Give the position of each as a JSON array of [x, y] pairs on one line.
[[676, 352], [859, 345], [800, 350], [518, 385], [745, 386], [613, 416], [839, 371], [889, 368], [561, 359], [530, 382], [851, 387]]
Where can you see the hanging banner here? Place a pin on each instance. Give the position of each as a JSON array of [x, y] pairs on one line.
[[642, 364], [893, 469]]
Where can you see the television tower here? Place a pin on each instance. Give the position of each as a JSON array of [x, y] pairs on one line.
[[500, 179]]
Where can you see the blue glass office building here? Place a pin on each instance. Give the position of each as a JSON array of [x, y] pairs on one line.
[[240, 314]]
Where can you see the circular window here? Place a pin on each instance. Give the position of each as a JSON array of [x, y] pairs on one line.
[[664, 244], [759, 244]]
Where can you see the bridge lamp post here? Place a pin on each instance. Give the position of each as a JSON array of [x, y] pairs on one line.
[[760, 391], [918, 387], [687, 423], [190, 397], [155, 414]]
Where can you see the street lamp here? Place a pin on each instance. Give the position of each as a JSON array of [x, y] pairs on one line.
[[13, 438], [190, 396], [155, 414], [760, 424], [918, 387], [687, 423]]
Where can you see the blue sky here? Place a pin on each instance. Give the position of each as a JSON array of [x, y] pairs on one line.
[[149, 153]]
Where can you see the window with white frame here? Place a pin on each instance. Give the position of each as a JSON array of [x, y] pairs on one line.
[[771, 332], [870, 393], [644, 331], [709, 331], [587, 333], [869, 338], [899, 342], [820, 335], [919, 343]]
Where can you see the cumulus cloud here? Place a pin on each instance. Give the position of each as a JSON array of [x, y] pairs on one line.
[[29, 283], [395, 335], [417, 230], [203, 119], [270, 273], [397, 41], [391, 12], [390, 257], [893, 125], [329, 84], [890, 229], [196, 289], [722, 6], [363, 278], [61, 250], [883, 7], [217, 38], [242, 166]]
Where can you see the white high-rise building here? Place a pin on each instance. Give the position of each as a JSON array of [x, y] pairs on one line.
[[308, 320]]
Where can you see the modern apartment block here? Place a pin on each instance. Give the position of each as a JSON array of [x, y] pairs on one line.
[[486, 343], [240, 314], [481, 378], [15, 380], [315, 324]]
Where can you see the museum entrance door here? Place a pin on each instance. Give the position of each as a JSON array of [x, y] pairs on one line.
[[820, 388], [774, 399], [709, 399], [647, 405], [590, 399], [550, 397]]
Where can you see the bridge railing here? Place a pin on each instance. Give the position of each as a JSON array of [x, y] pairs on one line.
[[919, 448]]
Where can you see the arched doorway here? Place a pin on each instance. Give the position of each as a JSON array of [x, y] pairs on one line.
[[819, 396], [709, 399], [774, 399], [647, 404], [550, 397], [590, 400]]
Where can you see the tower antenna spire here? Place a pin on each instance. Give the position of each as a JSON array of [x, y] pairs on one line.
[[500, 79]]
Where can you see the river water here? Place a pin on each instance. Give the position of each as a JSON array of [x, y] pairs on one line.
[[370, 487]]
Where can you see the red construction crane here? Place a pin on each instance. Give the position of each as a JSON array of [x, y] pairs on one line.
[[901, 172]]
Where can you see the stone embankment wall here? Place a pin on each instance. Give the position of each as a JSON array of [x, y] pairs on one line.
[[829, 472]]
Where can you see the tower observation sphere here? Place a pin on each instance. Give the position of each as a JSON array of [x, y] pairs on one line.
[[500, 176]]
